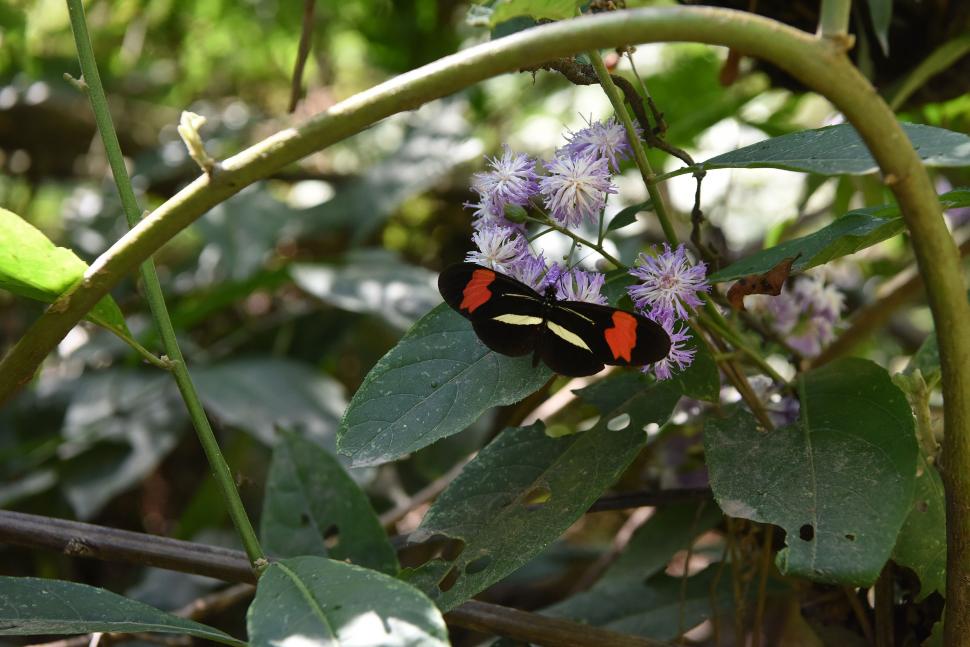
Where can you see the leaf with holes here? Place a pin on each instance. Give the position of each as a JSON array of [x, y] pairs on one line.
[[317, 601], [839, 481], [921, 544], [525, 489], [311, 501], [37, 607], [32, 266], [838, 150], [846, 235], [438, 380]]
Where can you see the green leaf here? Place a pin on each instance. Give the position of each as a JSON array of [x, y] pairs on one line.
[[627, 216], [259, 394], [525, 489], [654, 607], [32, 266], [838, 150], [855, 230], [317, 601], [881, 14], [309, 496], [34, 607], [373, 282], [921, 544], [503, 10], [438, 380], [118, 427], [839, 481], [846, 235]]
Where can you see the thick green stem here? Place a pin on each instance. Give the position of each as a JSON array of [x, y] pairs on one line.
[[153, 290], [819, 64], [639, 155]]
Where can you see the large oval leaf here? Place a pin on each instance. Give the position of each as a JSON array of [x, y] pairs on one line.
[[525, 489], [838, 150], [311, 502], [438, 380], [35, 607], [846, 235], [32, 266], [314, 601], [839, 481]]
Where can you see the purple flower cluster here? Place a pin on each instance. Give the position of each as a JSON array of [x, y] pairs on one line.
[[574, 190], [668, 286], [805, 315]]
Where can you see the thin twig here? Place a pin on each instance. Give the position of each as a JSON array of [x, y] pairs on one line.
[[424, 495], [765, 567], [153, 289], [306, 37], [86, 540]]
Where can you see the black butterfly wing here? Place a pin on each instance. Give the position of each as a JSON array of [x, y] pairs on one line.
[[505, 313], [580, 335]]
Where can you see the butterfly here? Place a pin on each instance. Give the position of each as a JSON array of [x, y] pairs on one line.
[[572, 337]]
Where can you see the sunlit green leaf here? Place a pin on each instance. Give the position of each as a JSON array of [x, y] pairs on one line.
[[317, 601], [32, 266]]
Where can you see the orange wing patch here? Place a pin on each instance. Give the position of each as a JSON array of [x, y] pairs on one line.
[[622, 337], [476, 292]]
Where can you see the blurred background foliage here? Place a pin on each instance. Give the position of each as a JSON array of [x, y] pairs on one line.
[[286, 295]]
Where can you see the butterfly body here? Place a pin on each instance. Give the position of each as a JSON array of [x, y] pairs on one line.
[[573, 338]]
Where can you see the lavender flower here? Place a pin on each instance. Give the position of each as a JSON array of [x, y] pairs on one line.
[[513, 180], [498, 247], [577, 285], [668, 282], [805, 315], [679, 356], [605, 140], [532, 270], [576, 188]]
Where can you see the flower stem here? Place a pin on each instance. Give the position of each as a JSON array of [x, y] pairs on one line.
[[153, 290], [639, 155]]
